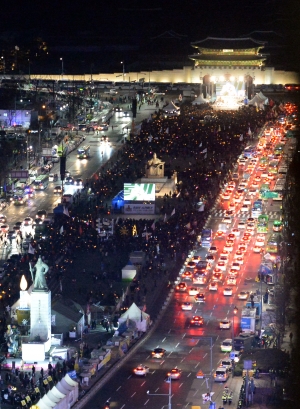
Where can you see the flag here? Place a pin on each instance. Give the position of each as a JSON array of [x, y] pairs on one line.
[[31, 250], [205, 156], [61, 230], [192, 232], [173, 212], [66, 212], [241, 137], [145, 228], [165, 218], [153, 226], [188, 226], [200, 145], [204, 150]]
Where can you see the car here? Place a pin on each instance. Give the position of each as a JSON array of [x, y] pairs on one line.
[[221, 265], [229, 213], [229, 245], [220, 234], [41, 214], [226, 363], [58, 190], [199, 278], [217, 277], [252, 192], [226, 195], [250, 227], [231, 206], [224, 253], [213, 250], [257, 179], [242, 248], [224, 258], [27, 221], [237, 198], [259, 242], [193, 291], [187, 275], [118, 109], [243, 295], [236, 266], [231, 281], [231, 236], [196, 258], [227, 291], [197, 321], [221, 374], [247, 201], [141, 370], [257, 249], [225, 324], [241, 225], [251, 220], [199, 298], [186, 306], [69, 180], [227, 220], [78, 182], [19, 199], [245, 208], [210, 258], [174, 374], [239, 259], [158, 353], [226, 345], [238, 254], [245, 239], [103, 127], [181, 287], [236, 232], [213, 286], [2, 218]]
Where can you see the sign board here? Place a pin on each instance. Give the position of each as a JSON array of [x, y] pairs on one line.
[[139, 191], [139, 209], [247, 364], [232, 355], [245, 323], [19, 174]]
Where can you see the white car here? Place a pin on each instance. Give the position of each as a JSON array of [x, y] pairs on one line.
[[236, 232], [229, 246], [221, 265], [226, 195], [226, 345], [252, 192], [141, 370], [237, 199], [239, 259], [225, 324], [259, 242], [231, 281], [245, 208], [193, 290], [227, 220], [213, 287], [224, 258], [227, 291], [243, 295], [236, 266], [247, 201], [256, 249], [241, 225], [186, 306]]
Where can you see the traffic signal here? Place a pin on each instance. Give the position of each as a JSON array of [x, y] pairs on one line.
[[134, 107]]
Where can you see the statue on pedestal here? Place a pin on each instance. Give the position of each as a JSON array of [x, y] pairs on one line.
[[155, 167], [41, 269]]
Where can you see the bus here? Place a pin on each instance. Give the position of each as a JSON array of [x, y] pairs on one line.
[[83, 152], [206, 237], [277, 225], [41, 182], [272, 244], [262, 224]]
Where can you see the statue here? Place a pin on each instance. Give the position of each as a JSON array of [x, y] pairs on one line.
[[41, 269], [155, 167]]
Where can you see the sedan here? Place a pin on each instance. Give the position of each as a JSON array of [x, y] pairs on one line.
[[181, 287], [229, 245], [237, 199], [57, 190], [231, 281], [257, 249], [213, 286], [245, 208], [243, 295], [236, 266], [210, 259], [217, 276], [259, 242], [2, 218], [226, 195], [236, 232], [242, 248], [225, 324], [219, 234], [221, 265], [199, 298], [187, 275], [186, 306], [193, 291], [158, 353], [197, 321], [231, 206], [241, 225], [227, 291], [174, 374], [141, 370], [213, 249]]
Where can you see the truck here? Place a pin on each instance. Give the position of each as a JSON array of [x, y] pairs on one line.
[[244, 342], [206, 237]]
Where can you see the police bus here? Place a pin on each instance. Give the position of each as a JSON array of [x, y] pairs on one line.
[[83, 152], [41, 182]]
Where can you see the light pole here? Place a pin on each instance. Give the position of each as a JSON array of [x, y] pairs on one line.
[[3, 59], [165, 394], [122, 62], [235, 310], [62, 67]]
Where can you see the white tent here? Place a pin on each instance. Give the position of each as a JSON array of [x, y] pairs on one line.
[[171, 108], [128, 272], [141, 318], [199, 100], [62, 396], [259, 100], [57, 393], [48, 401]]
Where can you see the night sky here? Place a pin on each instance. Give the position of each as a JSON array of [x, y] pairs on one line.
[[130, 21]]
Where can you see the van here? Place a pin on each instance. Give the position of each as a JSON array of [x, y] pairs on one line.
[[221, 374]]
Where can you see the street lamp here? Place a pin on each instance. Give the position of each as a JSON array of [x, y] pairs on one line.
[[235, 310], [169, 380], [62, 66], [122, 62]]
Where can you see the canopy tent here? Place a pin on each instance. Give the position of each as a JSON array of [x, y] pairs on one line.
[[48, 401], [199, 100], [57, 393], [62, 396], [259, 100], [171, 108], [134, 313], [118, 200], [129, 272]]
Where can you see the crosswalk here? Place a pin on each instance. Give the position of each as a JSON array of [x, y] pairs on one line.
[[243, 215]]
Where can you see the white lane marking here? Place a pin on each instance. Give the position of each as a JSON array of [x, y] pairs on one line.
[[203, 382], [204, 355], [180, 385], [163, 340], [217, 338], [119, 388], [156, 389], [211, 314], [162, 362], [197, 364], [143, 383], [182, 360], [146, 402], [169, 331], [122, 406], [170, 353], [196, 392], [189, 374], [133, 395], [183, 335], [177, 345], [191, 350], [129, 376], [148, 357], [152, 372]]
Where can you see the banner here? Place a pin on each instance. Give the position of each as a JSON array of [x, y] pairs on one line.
[[139, 209]]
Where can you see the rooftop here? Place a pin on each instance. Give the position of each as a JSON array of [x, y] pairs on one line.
[[228, 43]]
